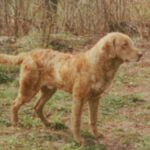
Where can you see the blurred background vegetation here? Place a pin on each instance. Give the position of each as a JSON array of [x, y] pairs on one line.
[[35, 22]]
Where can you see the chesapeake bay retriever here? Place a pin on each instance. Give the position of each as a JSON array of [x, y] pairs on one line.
[[85, 75]]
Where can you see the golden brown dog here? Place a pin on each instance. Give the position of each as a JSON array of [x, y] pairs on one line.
[[85, 75]]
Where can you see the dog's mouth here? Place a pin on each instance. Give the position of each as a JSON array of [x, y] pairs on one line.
[[126, 61], [132, 60], [137, 59]]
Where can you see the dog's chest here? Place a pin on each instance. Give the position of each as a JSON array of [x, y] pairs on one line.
[[96, 84], [99, 84]]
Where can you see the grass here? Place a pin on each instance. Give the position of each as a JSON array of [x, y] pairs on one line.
[[28, 122], [112, 102], [130, 138], [8, 74], [144, 143], [73, 146], [26, 140]]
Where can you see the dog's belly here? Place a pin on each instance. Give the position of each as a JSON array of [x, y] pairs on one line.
[[60, 86], [54, 83]]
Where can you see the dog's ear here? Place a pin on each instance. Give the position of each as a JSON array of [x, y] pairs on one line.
[[109, 48]]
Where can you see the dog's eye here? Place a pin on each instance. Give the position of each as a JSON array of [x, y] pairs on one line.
[[125, 45]]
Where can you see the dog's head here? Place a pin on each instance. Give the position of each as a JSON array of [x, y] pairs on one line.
[[119, 45]]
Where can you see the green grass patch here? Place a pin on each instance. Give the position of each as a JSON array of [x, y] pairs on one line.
[[8, 73], [9, 69], [28, 121], [74, 146], [60, 102], [4, 122], [130, 138], [111, 102], [71, 146], [61, 95], [144, 144], [57, 126], [5, 78], [25, 140], [7, 95]]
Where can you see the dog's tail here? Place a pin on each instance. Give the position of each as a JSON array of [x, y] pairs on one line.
[[12, 59]]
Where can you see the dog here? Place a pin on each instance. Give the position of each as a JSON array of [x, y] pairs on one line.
[[85, 75]]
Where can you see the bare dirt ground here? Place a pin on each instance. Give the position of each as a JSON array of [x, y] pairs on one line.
[[124, 115]]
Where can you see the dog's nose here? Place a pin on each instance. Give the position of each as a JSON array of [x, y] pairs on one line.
[[140, 55]]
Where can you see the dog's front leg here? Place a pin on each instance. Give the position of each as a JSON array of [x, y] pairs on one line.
[[76, 119], [93, 112]]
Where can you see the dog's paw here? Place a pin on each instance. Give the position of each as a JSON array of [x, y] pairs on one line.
[[80, 141], [97, 135], [47, 125], [16, 124]]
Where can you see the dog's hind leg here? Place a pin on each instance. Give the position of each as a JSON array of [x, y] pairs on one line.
[[29, 86], [45, 95], [19, 101]]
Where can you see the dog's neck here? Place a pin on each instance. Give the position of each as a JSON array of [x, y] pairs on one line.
[[98, 60], [103, 69], [110, 67]]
